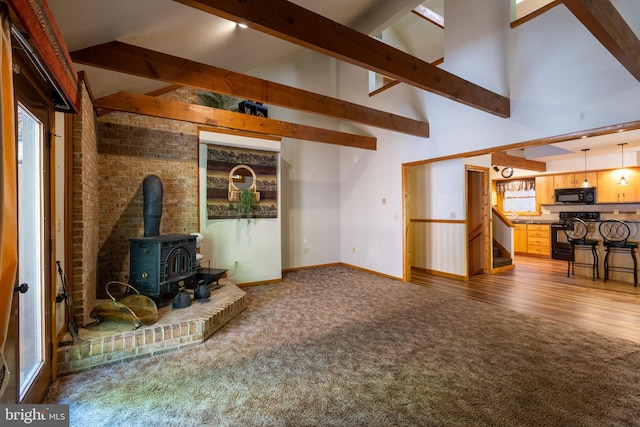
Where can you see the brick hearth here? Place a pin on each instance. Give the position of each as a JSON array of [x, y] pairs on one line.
[[114, 342]]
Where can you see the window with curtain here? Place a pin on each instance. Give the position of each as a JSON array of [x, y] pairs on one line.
[[518, 195]]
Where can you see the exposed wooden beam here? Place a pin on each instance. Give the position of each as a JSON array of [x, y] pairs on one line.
[[602, 19], [290, 22], [503, 159], [389, 83], [429, 15], [382, 15], [126, 58], [535, 13], [175, 110]]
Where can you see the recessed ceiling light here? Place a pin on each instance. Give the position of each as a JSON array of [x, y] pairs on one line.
[[243, 26]]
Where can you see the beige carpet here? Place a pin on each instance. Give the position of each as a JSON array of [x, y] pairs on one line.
[[340, 347]]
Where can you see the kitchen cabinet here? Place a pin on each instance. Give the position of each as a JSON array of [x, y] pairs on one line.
[[520, 238], [573, 180], [539, 239], [609, 191], [533, 239], [544, 190]]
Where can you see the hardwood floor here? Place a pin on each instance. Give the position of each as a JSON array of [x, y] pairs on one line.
[[540, 287]]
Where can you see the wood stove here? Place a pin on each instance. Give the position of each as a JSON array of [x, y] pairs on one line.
[[161, 265]]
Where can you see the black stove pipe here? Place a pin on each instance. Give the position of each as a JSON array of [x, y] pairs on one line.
[[152, 211]]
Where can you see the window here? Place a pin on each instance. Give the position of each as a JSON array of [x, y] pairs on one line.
[[520, 201], [518, 195]]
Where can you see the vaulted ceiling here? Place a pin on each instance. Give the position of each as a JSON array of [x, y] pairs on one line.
[[144, 45]]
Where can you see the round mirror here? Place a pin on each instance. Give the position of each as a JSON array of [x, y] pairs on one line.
[[241, 177]]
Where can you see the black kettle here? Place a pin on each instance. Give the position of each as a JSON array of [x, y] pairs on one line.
[[201, 291], [181, 300]]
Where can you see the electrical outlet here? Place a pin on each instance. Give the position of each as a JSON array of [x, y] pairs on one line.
[[306, 250], [353, 249]]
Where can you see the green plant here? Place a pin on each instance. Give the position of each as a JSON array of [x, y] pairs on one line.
[[216, 100], [245, 202]]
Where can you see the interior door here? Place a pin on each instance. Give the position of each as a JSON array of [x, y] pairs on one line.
[[477, 222], [29, 341]]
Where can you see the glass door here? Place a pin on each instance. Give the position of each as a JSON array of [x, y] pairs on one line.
[[31, 250]]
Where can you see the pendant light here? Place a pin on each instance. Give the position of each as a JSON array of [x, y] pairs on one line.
[[585, 183], [622, 181]]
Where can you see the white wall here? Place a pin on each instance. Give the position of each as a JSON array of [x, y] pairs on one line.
[[559, 80], [58, 208], [254, 245], [556, 74], [310, 170]]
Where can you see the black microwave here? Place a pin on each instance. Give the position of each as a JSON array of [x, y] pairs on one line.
[[584, 196]]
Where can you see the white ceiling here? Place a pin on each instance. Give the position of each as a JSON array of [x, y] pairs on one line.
[[173, 28]]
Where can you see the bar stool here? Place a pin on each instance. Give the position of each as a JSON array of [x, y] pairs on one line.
[[576, 231], [615, 234]]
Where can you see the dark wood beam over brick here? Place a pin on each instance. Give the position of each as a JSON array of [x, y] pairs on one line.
[[175, 110]]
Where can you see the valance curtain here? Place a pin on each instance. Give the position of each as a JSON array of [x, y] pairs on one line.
[[516, 185], [8, 191]]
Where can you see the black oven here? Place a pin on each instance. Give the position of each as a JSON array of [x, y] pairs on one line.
[[560, 247]]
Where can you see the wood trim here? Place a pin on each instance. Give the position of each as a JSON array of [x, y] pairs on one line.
[[290, 22], [429, 16], [439, 221], [535, 13], [406, 234], [36, 19], [604, 130], [604, 21], [336, 264], [440, 274], [309, 267], [384, 87], [137, 61], [174, 110], [502, 217], [503, 159], [366, 270]]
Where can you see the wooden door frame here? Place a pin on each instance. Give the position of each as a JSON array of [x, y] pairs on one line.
[[485, 211]]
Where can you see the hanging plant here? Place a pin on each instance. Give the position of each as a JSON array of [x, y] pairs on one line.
[[245, 203]]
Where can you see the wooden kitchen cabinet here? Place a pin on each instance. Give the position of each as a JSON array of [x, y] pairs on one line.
[[573, 180], [608, 190], [544, 191], [539, 239], [533, 239], [520, 238]]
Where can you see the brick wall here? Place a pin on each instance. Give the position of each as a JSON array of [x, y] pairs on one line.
[[130, 147], [85, 209]]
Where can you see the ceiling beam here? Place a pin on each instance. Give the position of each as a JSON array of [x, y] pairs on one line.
[[429, 15], [603, 20], [382, 15], [175, 110], [503, 159], [290, 22], [126, 58]]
